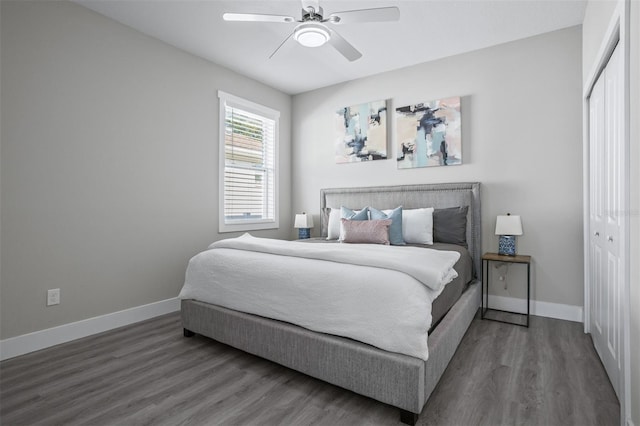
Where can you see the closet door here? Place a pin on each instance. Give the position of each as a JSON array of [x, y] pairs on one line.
[[597, 248], [605, 205]]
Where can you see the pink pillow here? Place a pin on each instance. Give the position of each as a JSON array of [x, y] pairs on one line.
[[366, 231]]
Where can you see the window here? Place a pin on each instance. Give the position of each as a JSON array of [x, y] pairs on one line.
[[248, 165]]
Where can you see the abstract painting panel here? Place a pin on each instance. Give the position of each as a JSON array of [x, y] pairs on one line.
[[428, 134], [361, 132]]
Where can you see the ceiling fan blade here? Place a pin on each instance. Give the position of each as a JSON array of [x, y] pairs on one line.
[[256, 17], [344, 47], [281, 44], [381, 14]]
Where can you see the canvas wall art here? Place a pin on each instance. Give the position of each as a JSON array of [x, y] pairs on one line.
[[361, 132], [429, 134]]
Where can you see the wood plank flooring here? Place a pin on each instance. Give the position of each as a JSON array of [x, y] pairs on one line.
[[149, 374]]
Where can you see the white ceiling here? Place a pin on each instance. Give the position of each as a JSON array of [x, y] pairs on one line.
[[427, 30]]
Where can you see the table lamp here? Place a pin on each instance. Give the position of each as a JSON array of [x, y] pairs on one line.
[[304, 223], [508, 226]]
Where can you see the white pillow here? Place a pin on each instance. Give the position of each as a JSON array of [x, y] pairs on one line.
[[333, 227], [417, 226]]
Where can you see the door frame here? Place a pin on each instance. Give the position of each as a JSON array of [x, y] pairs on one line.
[[617, 34]]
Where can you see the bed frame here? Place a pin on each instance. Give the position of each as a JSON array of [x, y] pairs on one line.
[[399, 380]]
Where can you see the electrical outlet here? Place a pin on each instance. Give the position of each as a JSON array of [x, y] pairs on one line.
[[53, 297]]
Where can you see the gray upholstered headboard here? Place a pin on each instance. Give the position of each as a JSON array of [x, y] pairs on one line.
[[438, 195]]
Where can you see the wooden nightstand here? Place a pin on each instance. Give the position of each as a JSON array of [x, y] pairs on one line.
[[495, 257]]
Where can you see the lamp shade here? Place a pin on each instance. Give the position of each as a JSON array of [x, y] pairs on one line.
[[508, 225], [303, 220]]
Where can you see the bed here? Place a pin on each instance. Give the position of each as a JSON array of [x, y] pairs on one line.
[[404, 380]]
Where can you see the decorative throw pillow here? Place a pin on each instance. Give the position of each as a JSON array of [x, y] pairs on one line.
[[395, 230], [450, 225], [366, 231], [417, 226], [356, 215]]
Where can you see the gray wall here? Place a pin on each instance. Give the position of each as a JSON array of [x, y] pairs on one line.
[[522, 138], [596, 20], [598, 16], [109, 163]]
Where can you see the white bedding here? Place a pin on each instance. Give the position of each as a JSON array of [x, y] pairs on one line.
[[380, 295]]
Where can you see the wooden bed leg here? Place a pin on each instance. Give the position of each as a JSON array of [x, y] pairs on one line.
[[408, 418], [188, 333]]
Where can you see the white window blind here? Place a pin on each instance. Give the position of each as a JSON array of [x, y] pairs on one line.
[[248, 154]]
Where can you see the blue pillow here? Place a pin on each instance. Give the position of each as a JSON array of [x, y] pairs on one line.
[[395, 230], [349, 214], [346, 213]]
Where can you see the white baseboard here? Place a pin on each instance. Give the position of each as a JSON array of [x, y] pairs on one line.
[[538, 308], [31, 342], [42, 339]]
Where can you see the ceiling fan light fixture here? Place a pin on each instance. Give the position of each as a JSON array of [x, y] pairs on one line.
[[310, 34]]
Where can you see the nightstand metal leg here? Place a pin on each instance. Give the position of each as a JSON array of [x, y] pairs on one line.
[[485, 281], [528, 292]]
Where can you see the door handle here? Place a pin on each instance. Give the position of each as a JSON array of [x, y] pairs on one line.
[[610, 238]]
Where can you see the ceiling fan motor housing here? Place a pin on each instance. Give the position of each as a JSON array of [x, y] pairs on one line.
[[312, 14]]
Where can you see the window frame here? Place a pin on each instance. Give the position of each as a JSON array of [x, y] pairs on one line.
[[227, 99]]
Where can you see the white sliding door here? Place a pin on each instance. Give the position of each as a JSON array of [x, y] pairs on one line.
[[606, 217]]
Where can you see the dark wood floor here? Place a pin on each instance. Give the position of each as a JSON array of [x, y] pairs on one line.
[[148, 373]]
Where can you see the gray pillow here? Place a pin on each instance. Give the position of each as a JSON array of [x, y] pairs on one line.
[[450, 225]]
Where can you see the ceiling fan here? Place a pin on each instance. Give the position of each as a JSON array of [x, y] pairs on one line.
[[312, 29]]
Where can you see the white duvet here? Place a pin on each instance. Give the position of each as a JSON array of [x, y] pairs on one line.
[[380, 295]]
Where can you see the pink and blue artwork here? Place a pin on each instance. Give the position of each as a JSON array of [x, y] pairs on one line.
[[429, 134], [361, 132]]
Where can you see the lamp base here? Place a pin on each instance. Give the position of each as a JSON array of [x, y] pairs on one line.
[[507, 245], [304, 233]]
